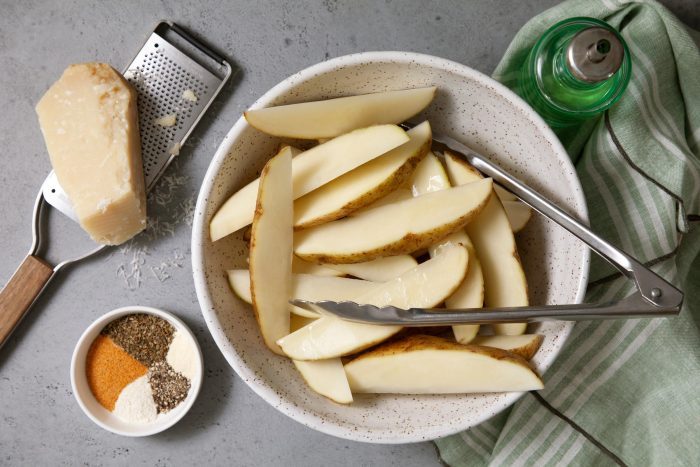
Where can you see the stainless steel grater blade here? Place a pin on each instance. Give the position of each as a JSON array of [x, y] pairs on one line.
[[161, 72]]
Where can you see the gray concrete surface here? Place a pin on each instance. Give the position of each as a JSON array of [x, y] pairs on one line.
[[40, 422]]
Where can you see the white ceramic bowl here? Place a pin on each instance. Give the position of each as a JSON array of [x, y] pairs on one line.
[[103, 417], [470, 107]]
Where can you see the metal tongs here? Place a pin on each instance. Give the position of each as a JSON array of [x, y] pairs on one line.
[[654, 296]]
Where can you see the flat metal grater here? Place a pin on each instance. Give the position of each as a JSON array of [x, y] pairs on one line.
[[161, 72], [173, 73]]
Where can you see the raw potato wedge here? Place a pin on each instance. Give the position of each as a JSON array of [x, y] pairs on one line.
[[525, 345], [311, 169], [518, 214], [504, 280], [470, 294], [306, 287], [395, 229], [365, 184], [239, 280], [299, 266], [271, 250], [395, 196], [430, 176], [425, 286], [298, 322], [378, 270], [333, 117], [503, 194], [317, 288], [432, 365], [326, 377]]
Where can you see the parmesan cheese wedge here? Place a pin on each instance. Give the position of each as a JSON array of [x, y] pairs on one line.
[[90, 126]]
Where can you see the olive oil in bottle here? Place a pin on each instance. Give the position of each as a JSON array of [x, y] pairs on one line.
[[577, 70]]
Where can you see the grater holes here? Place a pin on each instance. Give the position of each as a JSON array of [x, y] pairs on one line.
[[161, 86]]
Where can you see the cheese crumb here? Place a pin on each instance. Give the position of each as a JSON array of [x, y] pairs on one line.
[[167, 120], [175, 149], [189, 95]]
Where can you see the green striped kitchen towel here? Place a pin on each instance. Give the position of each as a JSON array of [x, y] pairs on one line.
[[621, 392]]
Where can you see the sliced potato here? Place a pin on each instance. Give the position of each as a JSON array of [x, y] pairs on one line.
[[299, 266], [427, 285], [365, 184], [470, 293], [430, 176], [504, 280], [317, 288], [306, 287], [333, 117], [311, 169], [298, 322], [518, 214], [525, 345], [326, 377], [239, 280], [271, 249], [395, 196], [395, 229], [431, 365], [503, 194], [378, 270]]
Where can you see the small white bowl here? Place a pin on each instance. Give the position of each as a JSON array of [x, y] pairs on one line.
[[103, 417]]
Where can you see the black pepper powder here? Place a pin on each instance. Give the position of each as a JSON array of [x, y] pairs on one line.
[[145, 337], [169, 387]]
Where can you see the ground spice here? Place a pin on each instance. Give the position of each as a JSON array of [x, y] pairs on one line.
[[145, 337], [182, 357], [109, 369], [169, 387]]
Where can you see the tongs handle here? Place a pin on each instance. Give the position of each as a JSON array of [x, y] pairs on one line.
[[656, 291], [19, 293]]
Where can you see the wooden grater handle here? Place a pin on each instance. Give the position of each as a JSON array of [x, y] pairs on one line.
[[17, 296]]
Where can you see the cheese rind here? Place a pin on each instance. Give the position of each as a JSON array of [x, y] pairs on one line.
[[90, 125]]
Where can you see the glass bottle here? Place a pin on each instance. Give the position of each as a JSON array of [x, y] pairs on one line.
[[577, 70]]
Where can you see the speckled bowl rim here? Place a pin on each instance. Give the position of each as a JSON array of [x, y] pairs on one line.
[[88, 336], [200, 236]]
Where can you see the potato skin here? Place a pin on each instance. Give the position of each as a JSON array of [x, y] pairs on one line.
[[420, 342], [527, 351]]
